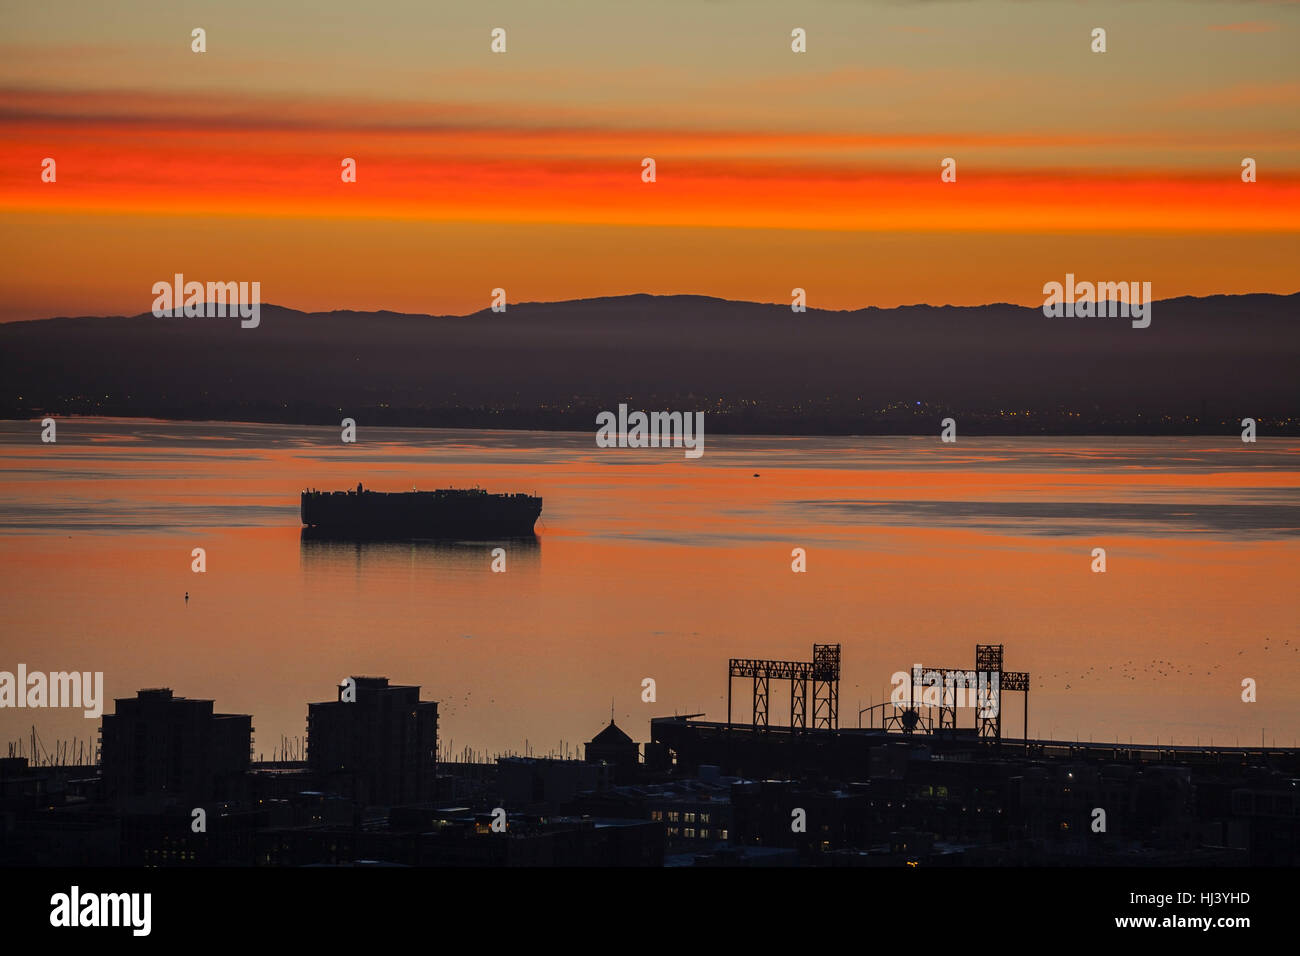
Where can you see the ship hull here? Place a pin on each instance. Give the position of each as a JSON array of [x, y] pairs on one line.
[[467, 515]]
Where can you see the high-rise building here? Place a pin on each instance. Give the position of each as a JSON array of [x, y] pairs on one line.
[[158, 750], [377, 743]]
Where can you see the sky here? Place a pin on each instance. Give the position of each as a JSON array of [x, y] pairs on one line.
[[523, 170]]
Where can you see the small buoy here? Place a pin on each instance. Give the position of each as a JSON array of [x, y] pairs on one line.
[[755, 474], [187, 595]]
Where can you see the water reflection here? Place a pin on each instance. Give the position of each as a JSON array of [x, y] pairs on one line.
[[322, 551]]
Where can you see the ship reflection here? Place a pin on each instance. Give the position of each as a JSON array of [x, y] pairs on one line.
[[325, 552]]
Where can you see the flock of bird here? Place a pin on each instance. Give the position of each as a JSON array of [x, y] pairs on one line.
[[1156, 667], [450, 706]]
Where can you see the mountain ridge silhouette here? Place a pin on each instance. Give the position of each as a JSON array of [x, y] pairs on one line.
[[754, 367]]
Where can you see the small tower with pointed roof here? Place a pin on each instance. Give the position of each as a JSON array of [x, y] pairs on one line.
[[612, 746]]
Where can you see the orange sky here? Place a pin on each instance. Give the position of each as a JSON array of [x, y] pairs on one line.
[[523, 171]]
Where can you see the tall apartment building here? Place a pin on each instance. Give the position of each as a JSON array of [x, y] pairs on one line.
[[380, 748], [158, 750]]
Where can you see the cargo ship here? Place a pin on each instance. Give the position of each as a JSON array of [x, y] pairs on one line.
[[467, 513]]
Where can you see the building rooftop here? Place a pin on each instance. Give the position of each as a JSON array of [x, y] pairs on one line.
[[612, 736]]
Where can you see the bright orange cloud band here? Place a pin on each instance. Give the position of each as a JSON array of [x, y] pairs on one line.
[[444, 168]]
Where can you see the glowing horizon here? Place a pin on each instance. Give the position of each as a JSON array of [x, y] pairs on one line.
[[523, 171]]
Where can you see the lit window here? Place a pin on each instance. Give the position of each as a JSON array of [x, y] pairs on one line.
[[690, 817]]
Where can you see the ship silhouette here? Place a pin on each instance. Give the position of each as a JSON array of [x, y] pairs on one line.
[[467, 513]]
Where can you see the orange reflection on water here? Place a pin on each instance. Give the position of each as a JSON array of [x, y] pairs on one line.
[[664, 568]]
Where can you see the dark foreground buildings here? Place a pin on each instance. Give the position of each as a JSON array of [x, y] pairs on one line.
[[377, 743], [158, 750], [176, 788], [867, 797]]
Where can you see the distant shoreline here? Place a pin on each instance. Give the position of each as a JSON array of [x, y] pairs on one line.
[[1201, 367], [1225, 434]]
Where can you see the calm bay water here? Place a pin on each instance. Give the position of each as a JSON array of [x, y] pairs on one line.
[[648, 564]]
